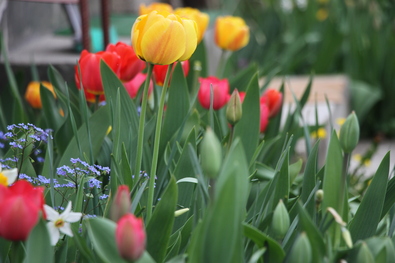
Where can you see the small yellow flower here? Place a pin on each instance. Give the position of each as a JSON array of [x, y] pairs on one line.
[[231, 33], [340, 121], [357, 157], [201, 19], [319, 134], [322, 14], [144, 10], [164, 38]]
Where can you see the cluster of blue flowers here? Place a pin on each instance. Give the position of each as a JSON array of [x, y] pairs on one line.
[[19, 133]]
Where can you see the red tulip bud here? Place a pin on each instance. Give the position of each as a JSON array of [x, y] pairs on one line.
[[121, 204], [264, 116], [130, 237]]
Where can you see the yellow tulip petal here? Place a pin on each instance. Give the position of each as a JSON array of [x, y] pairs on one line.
[[190, 27], [163, 42]]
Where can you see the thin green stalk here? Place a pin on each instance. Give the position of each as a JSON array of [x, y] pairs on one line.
[[221, 64], [142, 121], [156, 145]]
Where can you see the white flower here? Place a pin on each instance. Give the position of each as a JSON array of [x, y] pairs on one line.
[[8, 177], [60, 223]]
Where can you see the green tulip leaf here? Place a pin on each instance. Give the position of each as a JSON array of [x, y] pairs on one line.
[[38, 245]]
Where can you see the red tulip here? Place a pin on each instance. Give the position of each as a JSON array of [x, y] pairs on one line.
[[133, 86], [121, 204], [20, 205], [89, 64], [264, 112], [130, 237], [273, 99], [130, 64], [220, 91], [160, 71]]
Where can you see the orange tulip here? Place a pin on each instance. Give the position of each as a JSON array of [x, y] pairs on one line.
[[32, 94], [231, 33], [144, 10], [201, 19], [164, 38]]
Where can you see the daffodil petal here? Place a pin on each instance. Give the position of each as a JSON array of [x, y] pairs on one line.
[[72, 217], [66, 229], [11, 175], [52, 215], [67, 210], [53, 233]]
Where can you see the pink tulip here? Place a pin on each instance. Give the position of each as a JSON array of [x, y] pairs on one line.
[[220, 92], [121, 204], [20, 206], [130, 237], [133, 86]]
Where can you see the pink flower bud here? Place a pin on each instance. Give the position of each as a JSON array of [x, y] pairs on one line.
[[264, 116], [121, 204], [130, 237]]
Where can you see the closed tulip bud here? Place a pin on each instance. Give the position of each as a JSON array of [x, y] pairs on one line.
[[180, 212], [280, 222], [364, 254], [32, 94], [234, 109], [121, 203], [20, 207], [201, 19], [130, 237], [301, 250], [211, 154], [319, 196], [129, 65], [144, 10], [164, 38], [220, 92], [231, 33], [349, 133]]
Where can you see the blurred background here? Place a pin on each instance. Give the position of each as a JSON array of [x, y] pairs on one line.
[[355, 38]]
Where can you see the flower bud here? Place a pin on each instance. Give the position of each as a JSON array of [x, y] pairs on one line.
[[211, 154], [349, 133], [234, 110], [180, 212], [32, 94], [130, 237], [301, 250], [280, 221], [319, 196], [346, 237], [364, 254], [121, 204]]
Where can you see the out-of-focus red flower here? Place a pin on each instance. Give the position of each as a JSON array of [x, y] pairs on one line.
[[20, 205], [242, 95], [273, 98], [130, 64], [264, 112], [220, 92], [130, 237], [133, 86], [160, 71], [89, 64]]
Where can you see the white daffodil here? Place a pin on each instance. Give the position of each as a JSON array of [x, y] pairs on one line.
[[60, 223], [8, 177]]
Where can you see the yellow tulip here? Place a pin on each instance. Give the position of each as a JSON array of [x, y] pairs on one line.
[[201, 19], [144, 10], [231, 33], [32, 94], [164, 38]]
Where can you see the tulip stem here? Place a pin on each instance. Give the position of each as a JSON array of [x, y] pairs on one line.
[[142, 121], [221, 64], [158, 128]]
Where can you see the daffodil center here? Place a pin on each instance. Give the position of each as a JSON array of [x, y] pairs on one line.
[[3, 179], [59, 223]]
